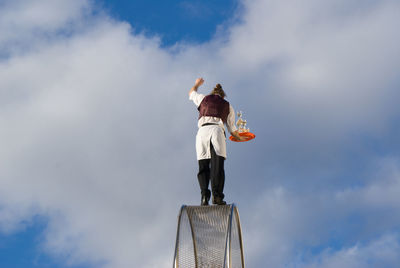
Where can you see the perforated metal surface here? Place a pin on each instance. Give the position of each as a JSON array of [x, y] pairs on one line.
[[236, 252], [209, 237]]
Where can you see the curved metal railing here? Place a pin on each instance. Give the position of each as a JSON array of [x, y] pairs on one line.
[[209, 237]]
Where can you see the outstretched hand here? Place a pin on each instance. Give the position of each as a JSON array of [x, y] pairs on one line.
[[199, 82]]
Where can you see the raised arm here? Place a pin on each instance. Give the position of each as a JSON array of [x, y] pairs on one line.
[[199, 82]]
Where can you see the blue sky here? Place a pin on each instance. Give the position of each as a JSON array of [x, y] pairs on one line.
[[21, 249], [174, 21], [100, 133]]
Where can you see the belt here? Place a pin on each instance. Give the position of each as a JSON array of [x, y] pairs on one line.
[[209, 124]]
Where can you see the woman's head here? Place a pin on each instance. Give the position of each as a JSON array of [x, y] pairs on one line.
[[218, 91]]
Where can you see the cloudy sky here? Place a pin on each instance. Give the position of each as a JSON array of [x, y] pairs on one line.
[[97, 139]]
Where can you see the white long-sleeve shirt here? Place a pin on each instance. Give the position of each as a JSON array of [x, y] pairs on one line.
[[211, 133]]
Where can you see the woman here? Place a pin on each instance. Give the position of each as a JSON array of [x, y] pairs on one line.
[[214, 112]]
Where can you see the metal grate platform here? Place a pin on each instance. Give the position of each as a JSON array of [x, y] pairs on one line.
[[209, 237]]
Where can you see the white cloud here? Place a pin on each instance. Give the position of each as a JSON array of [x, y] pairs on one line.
[[382, 252], [322, 60], [100, 134], [23, 23], [285, 225]]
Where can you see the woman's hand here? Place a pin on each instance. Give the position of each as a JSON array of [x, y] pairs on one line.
[[199, 82], [237, 136]]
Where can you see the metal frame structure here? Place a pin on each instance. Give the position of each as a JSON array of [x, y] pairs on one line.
[[228, 219]]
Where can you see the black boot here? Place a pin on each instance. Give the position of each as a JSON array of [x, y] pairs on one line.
[[205, 197], [218, 201], [204, 200]]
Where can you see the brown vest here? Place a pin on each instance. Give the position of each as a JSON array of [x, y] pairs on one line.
[[214, 105]]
